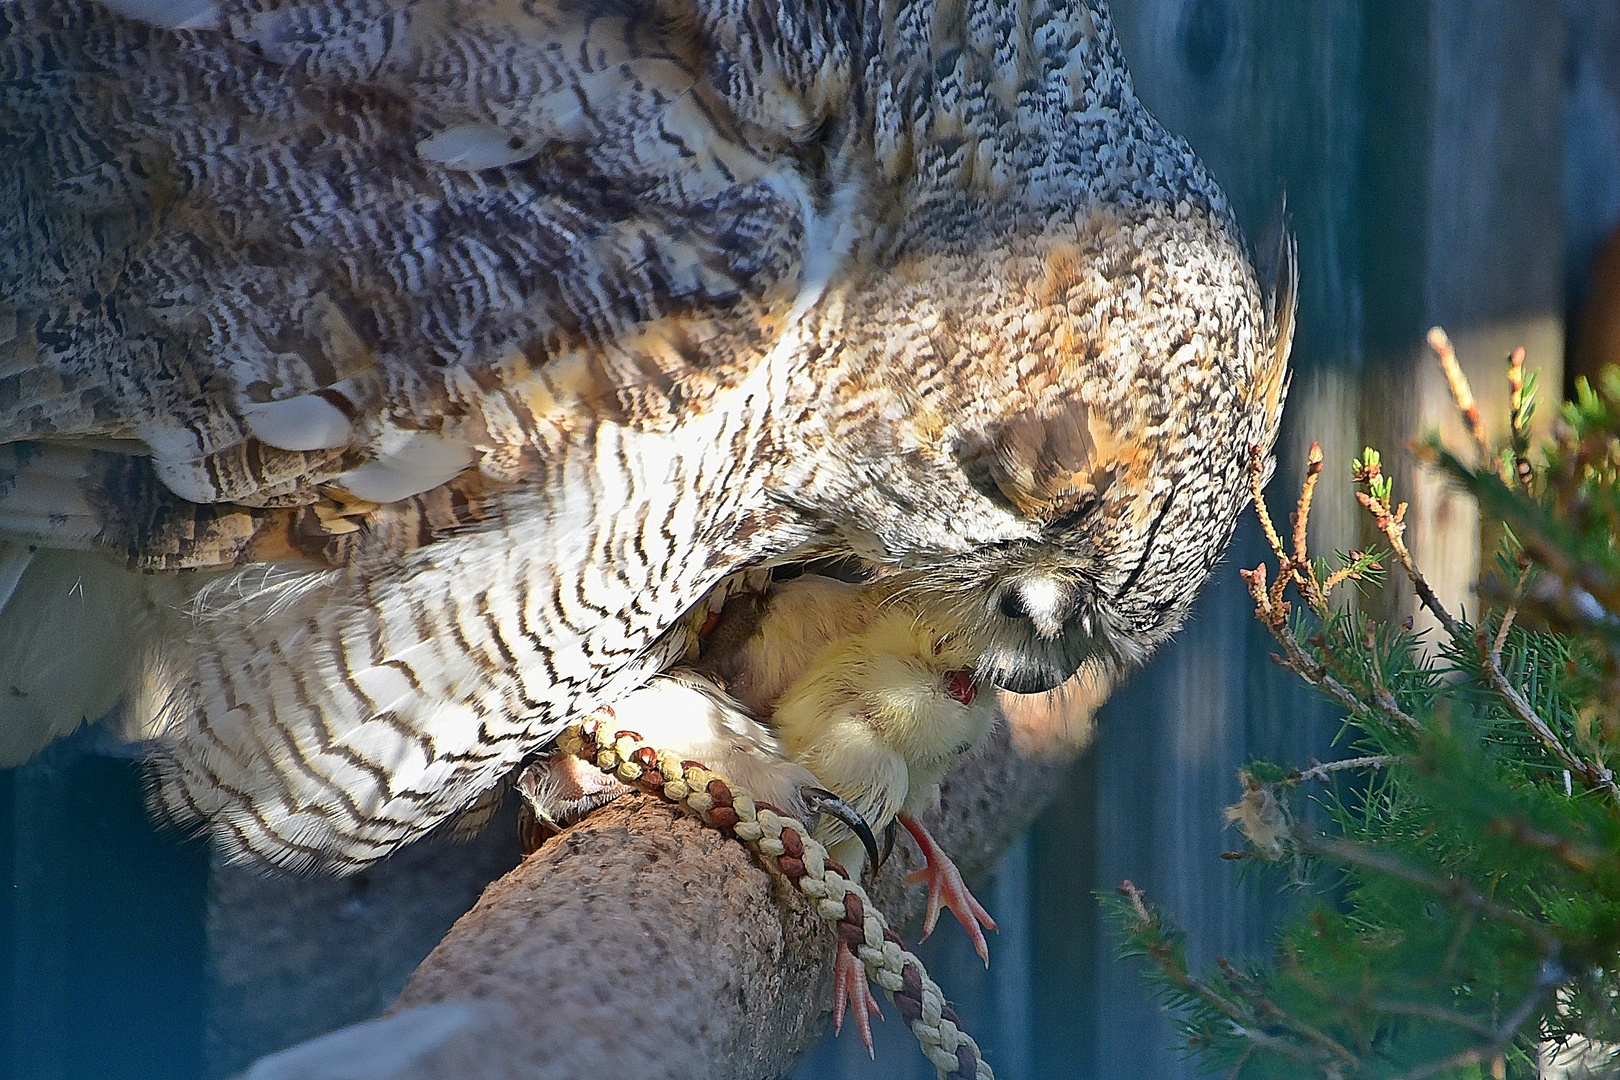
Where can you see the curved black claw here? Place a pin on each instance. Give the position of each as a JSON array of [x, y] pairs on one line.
[[888, 841], [823, 801]]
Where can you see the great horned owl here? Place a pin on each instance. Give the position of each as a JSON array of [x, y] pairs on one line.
[[485, 340]]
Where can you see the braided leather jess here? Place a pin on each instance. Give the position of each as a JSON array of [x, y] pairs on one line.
[[785, 847]]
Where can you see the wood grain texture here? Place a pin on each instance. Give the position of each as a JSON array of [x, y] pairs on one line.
[[641, 936]]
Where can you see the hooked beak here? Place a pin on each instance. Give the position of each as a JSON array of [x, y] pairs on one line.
[[1041, 634]]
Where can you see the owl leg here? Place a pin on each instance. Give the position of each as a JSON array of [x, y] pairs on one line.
[[851, 988], [947, 889]]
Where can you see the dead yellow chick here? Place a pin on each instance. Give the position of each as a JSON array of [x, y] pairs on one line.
[[826, 697], [876, 696]]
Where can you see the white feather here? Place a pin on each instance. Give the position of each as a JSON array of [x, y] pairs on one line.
[[473, 147], [306, 422], [409, 463]]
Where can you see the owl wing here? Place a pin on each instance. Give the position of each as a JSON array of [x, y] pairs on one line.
[[456, 297], [293, 262]]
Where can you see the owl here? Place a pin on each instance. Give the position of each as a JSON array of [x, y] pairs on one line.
[[433, 361]]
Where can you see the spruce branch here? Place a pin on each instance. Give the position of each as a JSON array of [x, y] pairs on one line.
[[1468, 907], [1551, 977], [1254, 993], [1154, 941], [1449, 887], [1321, 771], [1593, 774]]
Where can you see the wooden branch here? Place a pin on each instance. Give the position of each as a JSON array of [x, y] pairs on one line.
[[642, 936], [640, 942]]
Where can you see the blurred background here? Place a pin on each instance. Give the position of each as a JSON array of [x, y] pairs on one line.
[[1445, 161]]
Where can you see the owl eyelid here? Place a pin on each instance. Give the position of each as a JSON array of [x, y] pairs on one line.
[[1065, 522]]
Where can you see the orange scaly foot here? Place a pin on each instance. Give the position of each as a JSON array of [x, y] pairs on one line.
[[850, 987], [946, 889]]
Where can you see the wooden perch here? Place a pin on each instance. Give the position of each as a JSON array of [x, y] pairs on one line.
[[640, 942]]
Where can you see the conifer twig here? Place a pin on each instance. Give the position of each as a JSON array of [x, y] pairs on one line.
[[1520, 403], [1392, 523], [1393, 526], [1439, 1013], [1321, 770], [1245, 986], [1295, 567], [1452, 888], [1441, 344], [1593, 774], [1272, 610], [1159, 950], [1552, 976], [1296, 659], [1501, 634], [1257, 472]]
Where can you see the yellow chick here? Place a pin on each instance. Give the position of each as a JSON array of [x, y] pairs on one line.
[[763, 642], [873, 696], [819, 684], [879, 717]]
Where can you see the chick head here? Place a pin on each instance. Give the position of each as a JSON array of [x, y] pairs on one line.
[[882, 714]]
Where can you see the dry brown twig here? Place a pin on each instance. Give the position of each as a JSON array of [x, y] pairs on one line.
[[1293, 566], [1272, 610], [1441, 344]]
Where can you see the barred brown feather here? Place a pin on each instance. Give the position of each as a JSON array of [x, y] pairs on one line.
[[487, 338]]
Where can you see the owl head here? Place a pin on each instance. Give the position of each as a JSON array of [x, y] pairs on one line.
[[1128, 459], [1059, 455]]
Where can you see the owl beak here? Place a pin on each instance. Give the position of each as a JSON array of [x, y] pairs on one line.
[[1044, 603], [1042, 638], [1026, 675]]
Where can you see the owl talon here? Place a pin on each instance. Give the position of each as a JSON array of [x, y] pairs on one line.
[[850, 987], [888, 845], [947, 889], [559, 790], [823, 801]]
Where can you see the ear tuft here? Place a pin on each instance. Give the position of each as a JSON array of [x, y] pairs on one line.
[[1277, 264]]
